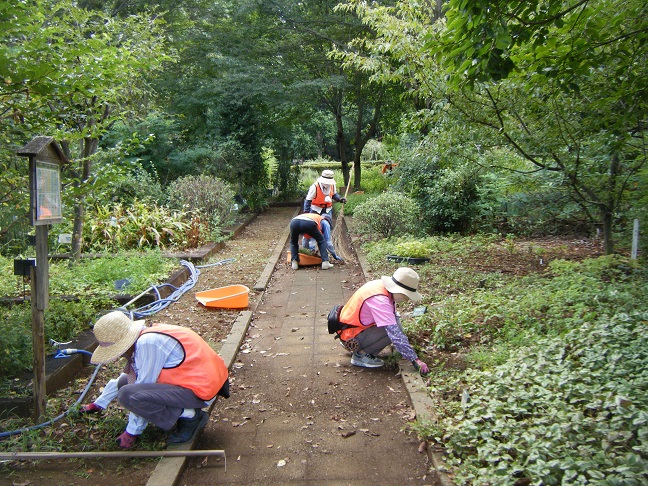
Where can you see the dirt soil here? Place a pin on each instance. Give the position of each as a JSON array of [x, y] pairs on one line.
[[245, 411]]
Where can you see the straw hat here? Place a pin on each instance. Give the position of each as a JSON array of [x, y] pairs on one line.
[[404, 281], [115, 333]]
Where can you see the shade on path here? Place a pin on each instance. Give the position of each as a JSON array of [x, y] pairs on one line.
[[299, 412]]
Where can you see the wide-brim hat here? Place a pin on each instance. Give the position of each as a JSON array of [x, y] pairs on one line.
[[404, 281], [116, 333], [327, 177]]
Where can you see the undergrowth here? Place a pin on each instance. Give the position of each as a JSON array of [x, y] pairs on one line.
[[538, 377]]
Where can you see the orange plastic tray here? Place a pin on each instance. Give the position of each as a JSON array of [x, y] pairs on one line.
[[305, 260], [230, 297]]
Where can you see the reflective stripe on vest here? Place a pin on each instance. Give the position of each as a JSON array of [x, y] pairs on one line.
[[319, 199], [350, 314], [201, 370]]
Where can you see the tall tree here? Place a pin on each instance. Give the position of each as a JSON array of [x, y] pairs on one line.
[[70, 73], [561, 83]]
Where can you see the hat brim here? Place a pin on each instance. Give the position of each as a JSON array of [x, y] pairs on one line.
[[394, 288], [112, 352], [324, 180]]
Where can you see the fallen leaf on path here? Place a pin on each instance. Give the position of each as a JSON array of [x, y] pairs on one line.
[[348, 434], [281, 463], [422, 447]]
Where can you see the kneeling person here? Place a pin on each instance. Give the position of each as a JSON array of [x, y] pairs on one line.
[[171, 375], [372, 321]]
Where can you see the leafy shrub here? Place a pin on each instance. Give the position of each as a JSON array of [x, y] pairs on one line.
[[387, 214], [412, 249], [569, 410], [98, 275], [118, 227], [353, 201], [64, 320], [210, 197], [373, 180]]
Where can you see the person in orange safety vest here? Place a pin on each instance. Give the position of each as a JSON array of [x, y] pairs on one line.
[[321, 194], [171, 375], [372, 322], [308, 224]]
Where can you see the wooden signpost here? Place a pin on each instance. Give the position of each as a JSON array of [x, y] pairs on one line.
[[45, 160]]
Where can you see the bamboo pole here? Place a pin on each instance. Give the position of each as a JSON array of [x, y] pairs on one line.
[[15, 456]]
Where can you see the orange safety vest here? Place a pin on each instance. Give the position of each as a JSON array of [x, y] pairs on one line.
[[314, 217], [319, 199], [350, 314], [201, 370]]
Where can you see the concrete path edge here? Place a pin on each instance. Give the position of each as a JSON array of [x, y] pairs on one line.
[[169, 469]]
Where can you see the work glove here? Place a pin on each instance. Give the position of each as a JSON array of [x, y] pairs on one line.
[[421, 367], [90, 408], [339, 259], [343, 200], [126, 440]]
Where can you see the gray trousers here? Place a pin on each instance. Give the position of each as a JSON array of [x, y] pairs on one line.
[[158, 403], [373, 340]]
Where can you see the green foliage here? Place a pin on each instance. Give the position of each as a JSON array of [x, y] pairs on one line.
[[563, 410], [209, 197], [97, 276], [374, 181], [537, 305], [287, 180], [353, 201], [388, 214], [64, 320], [412, 249], [139, 226]]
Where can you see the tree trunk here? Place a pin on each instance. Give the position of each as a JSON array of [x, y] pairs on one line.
[[88, 147], [608, 240], [341, 146]]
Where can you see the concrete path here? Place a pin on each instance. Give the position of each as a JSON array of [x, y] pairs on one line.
[[299, 412]]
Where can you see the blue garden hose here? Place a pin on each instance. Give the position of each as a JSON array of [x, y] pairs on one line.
[[64, 414], [146, 310]]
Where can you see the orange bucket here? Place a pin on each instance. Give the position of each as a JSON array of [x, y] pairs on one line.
[[230, 297], [305, 260]]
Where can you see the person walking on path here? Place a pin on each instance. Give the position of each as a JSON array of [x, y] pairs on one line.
[[321, 194], [371, 322], [171, 375], [310, 224]]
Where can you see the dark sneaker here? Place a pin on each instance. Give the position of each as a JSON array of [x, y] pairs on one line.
[[366, 361], [186, 428]]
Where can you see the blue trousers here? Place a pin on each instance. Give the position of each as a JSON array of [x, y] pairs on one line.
[[309, 227]]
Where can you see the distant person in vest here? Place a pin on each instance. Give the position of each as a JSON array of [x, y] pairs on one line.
[[321, 194], [311, 225], [311, 244], [171, 375], [374, 323]]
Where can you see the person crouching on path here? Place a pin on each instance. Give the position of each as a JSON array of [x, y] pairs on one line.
[[171, 375], [310, 224], [373, 323], [321, 194]]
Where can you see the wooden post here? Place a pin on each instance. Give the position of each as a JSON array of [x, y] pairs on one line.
[[39, 300], [45, 208]]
